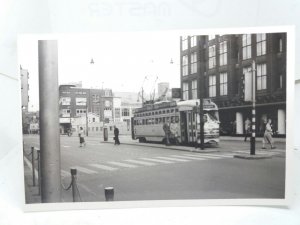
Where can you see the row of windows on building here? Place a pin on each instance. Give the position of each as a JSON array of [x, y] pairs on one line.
[[261, 83], [98, 129], [107, 93], [246, 53], [152, 121], [125, 112], [80, 101], [80, 112]]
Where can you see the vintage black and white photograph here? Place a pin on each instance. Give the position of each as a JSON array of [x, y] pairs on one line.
[[147, 116]]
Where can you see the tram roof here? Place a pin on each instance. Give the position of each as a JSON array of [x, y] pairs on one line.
[[182, 105]]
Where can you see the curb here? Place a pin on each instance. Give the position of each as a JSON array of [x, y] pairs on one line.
[[246, 156], [164, 147]]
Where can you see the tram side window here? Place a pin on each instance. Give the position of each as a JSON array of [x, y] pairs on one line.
[[156, 120], [176, 119]]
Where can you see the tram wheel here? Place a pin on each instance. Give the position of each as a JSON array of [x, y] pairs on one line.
[[142, 140]]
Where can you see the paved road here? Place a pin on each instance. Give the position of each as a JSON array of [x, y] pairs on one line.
[[147, 173]]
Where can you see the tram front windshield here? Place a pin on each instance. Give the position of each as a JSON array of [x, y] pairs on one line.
[[213, 115]]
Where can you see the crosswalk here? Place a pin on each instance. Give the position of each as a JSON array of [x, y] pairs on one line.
[[110, 166]]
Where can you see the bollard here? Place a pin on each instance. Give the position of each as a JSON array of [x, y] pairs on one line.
[[109, 193], [105, 134], [33, 168], [73, 182], [39, 170]]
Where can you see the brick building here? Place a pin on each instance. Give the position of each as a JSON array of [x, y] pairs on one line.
[[75, 102], [216, 64]]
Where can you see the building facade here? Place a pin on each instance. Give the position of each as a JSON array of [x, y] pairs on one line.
[[215, 65], [76, 102], [24, 77], [24, 88], [128, 102]]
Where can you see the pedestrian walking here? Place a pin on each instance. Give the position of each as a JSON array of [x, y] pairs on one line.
[[167, 131], [233, 124], [247, 128], [81, 137], [116, 132], [268, 135]]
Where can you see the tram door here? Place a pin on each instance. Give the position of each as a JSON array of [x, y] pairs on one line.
[[190, 126], [183, 126]]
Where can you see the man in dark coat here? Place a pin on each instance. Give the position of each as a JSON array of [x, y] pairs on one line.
[[166, 128], [116, 132]]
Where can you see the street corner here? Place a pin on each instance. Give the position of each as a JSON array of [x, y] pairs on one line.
[[252, 157]]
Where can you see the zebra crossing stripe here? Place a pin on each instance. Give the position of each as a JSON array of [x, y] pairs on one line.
[[85, 170], [157, 160], [140, 162], [187, 157], [221, 156], [173, 159], [103, 167], [123, 164], [206, 156]]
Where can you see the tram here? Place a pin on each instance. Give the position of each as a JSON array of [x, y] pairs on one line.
[[183, 119]]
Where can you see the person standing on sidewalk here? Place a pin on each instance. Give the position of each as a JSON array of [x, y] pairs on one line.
[[116, 133], [268, 135], [81, 137], [247, 128]]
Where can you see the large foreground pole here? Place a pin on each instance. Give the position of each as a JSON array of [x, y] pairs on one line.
[[49, 121]]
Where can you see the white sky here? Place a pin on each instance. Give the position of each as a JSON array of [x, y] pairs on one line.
[[122, 60]]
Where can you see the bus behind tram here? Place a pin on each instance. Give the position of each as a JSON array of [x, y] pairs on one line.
[[182, 118]]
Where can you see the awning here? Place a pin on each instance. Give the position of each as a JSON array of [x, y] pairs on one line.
[[64, 120]]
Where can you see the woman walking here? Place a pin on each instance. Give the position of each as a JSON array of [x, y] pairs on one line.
[[81, 137], [268, 135]]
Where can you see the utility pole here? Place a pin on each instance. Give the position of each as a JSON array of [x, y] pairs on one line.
[[49, 121], [86, 120], [202, 85], [252, 141]]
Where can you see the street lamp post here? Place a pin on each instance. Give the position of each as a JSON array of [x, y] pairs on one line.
[[86, 120], [252, 145]]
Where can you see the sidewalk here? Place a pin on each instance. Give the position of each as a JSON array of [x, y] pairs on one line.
[[31, 192], [127, 140]]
